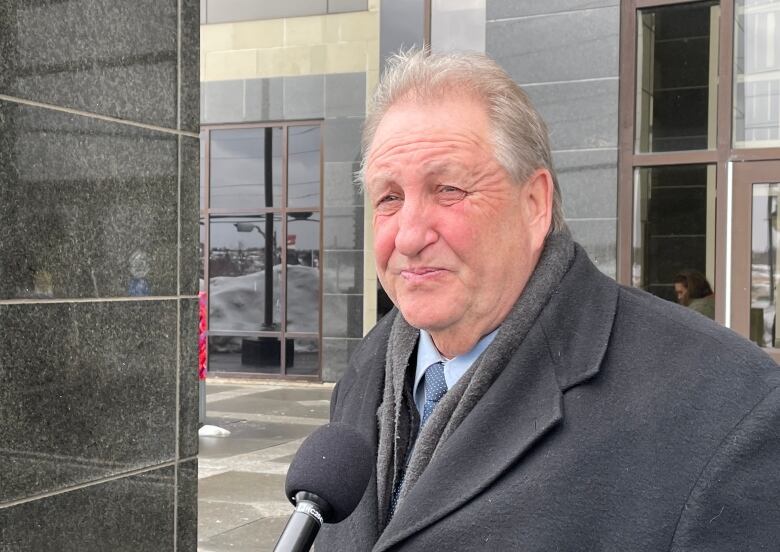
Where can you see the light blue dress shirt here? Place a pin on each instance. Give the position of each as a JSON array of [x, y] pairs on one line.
[[454, 368]]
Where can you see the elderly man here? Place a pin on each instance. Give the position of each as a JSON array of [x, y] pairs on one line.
[[518, 399]]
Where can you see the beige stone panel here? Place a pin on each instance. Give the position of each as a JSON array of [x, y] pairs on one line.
[[372, 55], [352, 27], [271, 62], [373, 5], [295, 60], [215, 38], [319, 59], [258, 34], [349, 57], [304, 31], [230, 64]]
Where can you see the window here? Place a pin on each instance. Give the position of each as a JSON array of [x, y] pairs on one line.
[[672, 191], [700, 154], [262, 223], [677, 77], [674, 225], [756, 109]]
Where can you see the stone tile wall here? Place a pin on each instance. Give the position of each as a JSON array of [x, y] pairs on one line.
[[564, 53], [98, 274], [291, 46]]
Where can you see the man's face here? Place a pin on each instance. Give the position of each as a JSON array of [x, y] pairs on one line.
[[682, 294], [455, 240]]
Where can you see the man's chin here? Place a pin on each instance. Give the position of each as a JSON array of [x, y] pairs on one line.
[[424, 319]]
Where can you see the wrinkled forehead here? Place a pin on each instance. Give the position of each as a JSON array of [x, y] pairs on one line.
[[425, 101], [461, 121]]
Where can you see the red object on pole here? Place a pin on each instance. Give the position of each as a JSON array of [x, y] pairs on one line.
[[202, 340]]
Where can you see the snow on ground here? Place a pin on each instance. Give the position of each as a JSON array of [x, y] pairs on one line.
[[237, 303]]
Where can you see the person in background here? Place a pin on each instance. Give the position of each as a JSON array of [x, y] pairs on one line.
[[694, 291]]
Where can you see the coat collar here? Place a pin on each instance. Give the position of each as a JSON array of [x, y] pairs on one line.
[[578, 321], [564, 348]]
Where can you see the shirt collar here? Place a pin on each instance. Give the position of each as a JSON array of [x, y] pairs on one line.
[[454, 368]]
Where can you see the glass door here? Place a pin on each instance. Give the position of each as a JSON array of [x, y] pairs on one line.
[[755, 262]]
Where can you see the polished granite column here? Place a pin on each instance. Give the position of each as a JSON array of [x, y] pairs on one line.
[[99, 155]]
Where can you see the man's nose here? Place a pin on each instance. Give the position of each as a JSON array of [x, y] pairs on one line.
[[415, 229]]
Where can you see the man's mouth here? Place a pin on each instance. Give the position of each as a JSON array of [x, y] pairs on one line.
[[420, 274]]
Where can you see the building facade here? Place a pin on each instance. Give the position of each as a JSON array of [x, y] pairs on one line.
[[663, 119]]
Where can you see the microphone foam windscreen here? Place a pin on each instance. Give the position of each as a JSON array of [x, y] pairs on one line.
[[335, 463]]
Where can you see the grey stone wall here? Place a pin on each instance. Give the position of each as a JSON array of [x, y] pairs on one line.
[[98, 274], [564, 53], [339, 100]]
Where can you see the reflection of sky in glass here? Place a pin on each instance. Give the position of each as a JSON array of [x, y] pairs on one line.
[[224, 233], [757, 60], [303, 166], [203, 170], [237, 169], [307, 233]]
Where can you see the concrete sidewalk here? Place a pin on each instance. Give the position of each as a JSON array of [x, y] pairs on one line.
[[241, 502]]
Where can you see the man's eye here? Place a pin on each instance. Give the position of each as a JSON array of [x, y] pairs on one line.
[[451, 193], [387, 200]]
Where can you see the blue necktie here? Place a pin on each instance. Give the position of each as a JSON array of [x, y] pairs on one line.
[[435, 388]]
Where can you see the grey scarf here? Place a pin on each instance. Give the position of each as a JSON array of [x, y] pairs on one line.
[[397, 415]]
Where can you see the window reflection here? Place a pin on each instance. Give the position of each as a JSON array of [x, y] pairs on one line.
[[764, 269], [303, 274], [246, 168], [677, 49], [201, 255], [303, 166], [264, 254], [757, 73], [202, 144], [243, 295], [674, 223], [259, 355], [306, 358]]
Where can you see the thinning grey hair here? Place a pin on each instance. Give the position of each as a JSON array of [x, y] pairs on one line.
[[520, 138]]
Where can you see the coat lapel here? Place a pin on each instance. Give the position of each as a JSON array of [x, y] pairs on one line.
[[365, 395], [523, 404], [564, 348]]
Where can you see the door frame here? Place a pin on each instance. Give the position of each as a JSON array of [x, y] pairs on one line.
[[745, 175], [629, 160]]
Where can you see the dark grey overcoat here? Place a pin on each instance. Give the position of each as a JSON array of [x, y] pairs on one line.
[[623, 423]]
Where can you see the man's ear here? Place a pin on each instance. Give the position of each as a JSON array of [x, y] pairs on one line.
[[538, 191]]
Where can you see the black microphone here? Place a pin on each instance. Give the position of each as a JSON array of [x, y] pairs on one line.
[[325, 482]]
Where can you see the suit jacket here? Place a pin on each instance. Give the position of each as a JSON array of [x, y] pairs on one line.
[[623, 422]]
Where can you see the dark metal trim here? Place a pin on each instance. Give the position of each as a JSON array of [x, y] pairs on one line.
[[745, 175]]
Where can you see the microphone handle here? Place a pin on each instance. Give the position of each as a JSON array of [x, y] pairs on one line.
[[301, 529]]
